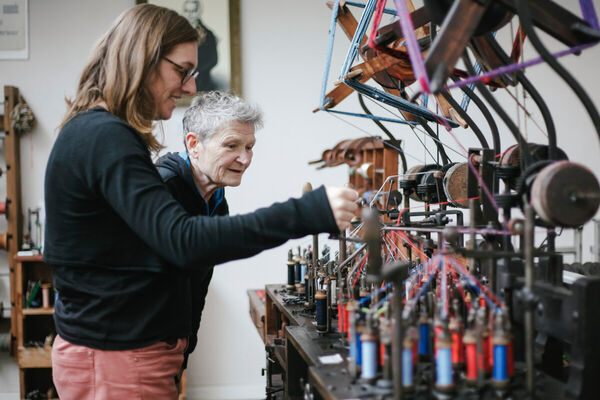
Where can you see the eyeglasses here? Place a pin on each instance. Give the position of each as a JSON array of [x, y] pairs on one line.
[[186, 74]]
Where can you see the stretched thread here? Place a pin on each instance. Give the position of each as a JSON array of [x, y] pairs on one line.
[[489, 296], [487, 76], [360, 269], [411, 305]]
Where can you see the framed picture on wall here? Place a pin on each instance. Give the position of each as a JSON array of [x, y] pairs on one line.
[[14, 30], [219, 51]]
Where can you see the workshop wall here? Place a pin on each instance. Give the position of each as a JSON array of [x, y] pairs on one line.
[[284, 46]]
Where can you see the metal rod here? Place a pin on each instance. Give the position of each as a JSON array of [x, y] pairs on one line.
[[596, 247], [529, 243], [349, 259], [578, 244]]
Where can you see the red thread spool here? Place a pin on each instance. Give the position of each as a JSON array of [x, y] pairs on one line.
[[345, 313], [510, 358], [487, 343], [458, 352], [471, 356], [2, 207], [490, 355], [457, 349], [340, 317]]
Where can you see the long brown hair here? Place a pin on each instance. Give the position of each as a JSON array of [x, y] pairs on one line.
[[123, 59]]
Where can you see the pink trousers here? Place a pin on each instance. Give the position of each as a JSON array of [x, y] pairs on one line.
[[148, 373]]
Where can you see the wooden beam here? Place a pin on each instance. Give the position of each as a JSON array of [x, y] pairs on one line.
[[13, 198]]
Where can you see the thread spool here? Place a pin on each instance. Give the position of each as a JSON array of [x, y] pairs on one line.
[[303, 270], [443, 364], [458, 353], [455, 185], [321, 300], [470, 343], [424, 347], [369, 356], [407, 362], [486, 341], [500, 370], [290, 272], [510, 356], [366, 170], [340, 308], [2, 206], [352, 364], [297, 270], [357, 336]]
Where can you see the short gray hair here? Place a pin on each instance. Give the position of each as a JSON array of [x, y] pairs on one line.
[[211, 110]]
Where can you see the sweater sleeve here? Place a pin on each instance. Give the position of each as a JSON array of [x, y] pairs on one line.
[[135, 191]]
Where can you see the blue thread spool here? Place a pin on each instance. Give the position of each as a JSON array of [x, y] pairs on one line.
[[358, 346], [303, 270], [424, 348], [369, 356], [321, 300], [500, 343], [443, 363], [407, 363]]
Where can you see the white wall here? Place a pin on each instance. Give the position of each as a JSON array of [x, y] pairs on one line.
[[284, 45]]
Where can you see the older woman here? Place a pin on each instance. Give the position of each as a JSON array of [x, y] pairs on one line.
[[219, 137], [121, 246]]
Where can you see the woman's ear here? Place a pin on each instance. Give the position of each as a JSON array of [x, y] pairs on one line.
[[192, 142]]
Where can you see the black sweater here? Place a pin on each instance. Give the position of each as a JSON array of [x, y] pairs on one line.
[[119, 242], [175, 170]]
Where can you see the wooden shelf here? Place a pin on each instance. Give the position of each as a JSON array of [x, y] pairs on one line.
[[38, 311], [37, 257], [34, 357]]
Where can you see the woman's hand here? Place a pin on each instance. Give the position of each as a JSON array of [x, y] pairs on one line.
[[343, 204]]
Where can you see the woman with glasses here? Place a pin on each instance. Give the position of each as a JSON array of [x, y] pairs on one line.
[[121, 246]]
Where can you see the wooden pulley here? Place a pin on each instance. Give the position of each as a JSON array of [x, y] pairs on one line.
[[455, 185], [4, 241], [565, 194]]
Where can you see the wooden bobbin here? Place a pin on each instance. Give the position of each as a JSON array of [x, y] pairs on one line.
[[565, 194], [455, 185], [4, 241]]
